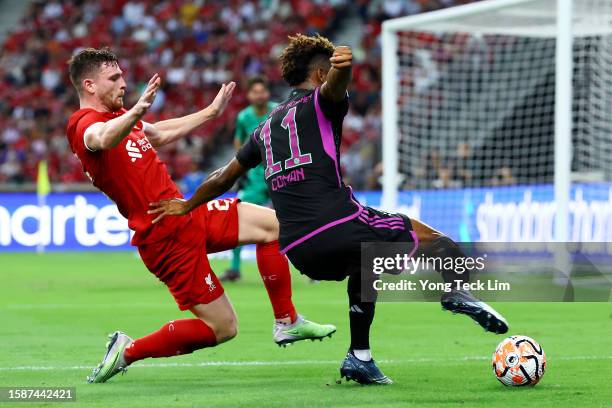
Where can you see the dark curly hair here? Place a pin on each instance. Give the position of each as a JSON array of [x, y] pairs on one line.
[[88, 60], [302, 55]]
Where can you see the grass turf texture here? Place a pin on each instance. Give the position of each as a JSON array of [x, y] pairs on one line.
[[56, 310]]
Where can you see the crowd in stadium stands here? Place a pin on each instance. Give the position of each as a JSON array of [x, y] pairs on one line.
[[456, 170], [194, 45]]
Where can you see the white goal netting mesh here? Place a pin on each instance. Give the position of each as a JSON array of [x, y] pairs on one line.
[[477, 97]]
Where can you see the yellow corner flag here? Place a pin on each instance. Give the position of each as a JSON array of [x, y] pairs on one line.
[[43, 186]]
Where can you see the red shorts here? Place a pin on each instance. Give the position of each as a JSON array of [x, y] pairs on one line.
[[180, 260]]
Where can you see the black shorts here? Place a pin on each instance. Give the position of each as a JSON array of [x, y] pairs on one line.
[[335, 253]]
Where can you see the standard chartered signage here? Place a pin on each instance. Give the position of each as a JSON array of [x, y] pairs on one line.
[[66, 222], [90, 221], [527, 220]]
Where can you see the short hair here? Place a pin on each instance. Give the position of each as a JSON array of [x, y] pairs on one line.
[[87, 61], [302, 55], [257, 80]]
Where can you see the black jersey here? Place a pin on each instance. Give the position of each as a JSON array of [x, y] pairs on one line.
[[299, 144]]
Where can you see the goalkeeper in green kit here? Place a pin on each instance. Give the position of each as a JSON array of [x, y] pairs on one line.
[[252, 187]]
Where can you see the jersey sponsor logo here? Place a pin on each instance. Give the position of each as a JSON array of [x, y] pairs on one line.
[[144, 144], [136, 148], [133, 150], [283, 180], [291, 104]]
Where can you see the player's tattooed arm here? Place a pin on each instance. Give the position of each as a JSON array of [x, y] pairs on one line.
[[219, 182], [106, 135], [168, 131], [339, 76]]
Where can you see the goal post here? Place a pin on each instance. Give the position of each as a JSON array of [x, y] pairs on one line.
[[499, 93], [390, 80], [390, 128], [563, 121]]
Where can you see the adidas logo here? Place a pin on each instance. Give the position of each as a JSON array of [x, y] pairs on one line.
[[133, 150], [356, 309]]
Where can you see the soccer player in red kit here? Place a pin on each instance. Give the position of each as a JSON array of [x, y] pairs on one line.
[[117, 151]]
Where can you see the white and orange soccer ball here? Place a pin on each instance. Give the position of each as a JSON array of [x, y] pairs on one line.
[[518, 361]]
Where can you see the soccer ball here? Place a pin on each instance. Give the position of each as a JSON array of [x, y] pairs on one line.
[[519, 360]]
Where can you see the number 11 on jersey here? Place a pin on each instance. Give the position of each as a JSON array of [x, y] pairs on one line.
[[297, 157]]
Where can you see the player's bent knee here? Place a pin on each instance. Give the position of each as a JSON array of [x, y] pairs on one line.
[[225, 327], [226, 331], [268, 229], [219, 315], [256, 224], [270, 235]]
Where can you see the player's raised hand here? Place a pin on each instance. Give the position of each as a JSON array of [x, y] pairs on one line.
[[148, 96], [220, 102], [169, 206], [342, 57]]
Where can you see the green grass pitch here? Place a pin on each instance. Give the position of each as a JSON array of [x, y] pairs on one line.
[[56, 309]]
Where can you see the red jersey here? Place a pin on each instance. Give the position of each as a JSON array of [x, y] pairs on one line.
[[131, 174]]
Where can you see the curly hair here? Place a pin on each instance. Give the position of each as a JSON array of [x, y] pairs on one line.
[[301, 56], [88, 60]]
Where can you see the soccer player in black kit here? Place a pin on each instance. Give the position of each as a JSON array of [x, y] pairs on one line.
[[322, 225]]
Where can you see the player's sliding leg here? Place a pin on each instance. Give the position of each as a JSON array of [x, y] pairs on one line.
[[258, 225], [215, 324], [358, 364], [433, 244]]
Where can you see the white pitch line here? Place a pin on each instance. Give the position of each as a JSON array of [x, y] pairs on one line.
[[285, 363]]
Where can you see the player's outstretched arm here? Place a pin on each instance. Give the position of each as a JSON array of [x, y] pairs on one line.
[[168, 131], [219, 182], [339, 75], [106, 135]]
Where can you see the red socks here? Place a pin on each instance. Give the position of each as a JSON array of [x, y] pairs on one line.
[[274, 270], [182, 336]]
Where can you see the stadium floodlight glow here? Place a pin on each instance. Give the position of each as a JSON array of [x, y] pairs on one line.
[[524, 85]]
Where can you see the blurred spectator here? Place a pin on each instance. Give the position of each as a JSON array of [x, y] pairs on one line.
[[194, 45], [503, 177], [462, 165], [445, 179]]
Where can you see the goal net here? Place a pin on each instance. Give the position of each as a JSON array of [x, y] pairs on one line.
[[504, 108]]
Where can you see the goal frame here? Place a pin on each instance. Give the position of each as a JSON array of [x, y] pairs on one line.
[[563, 100]]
